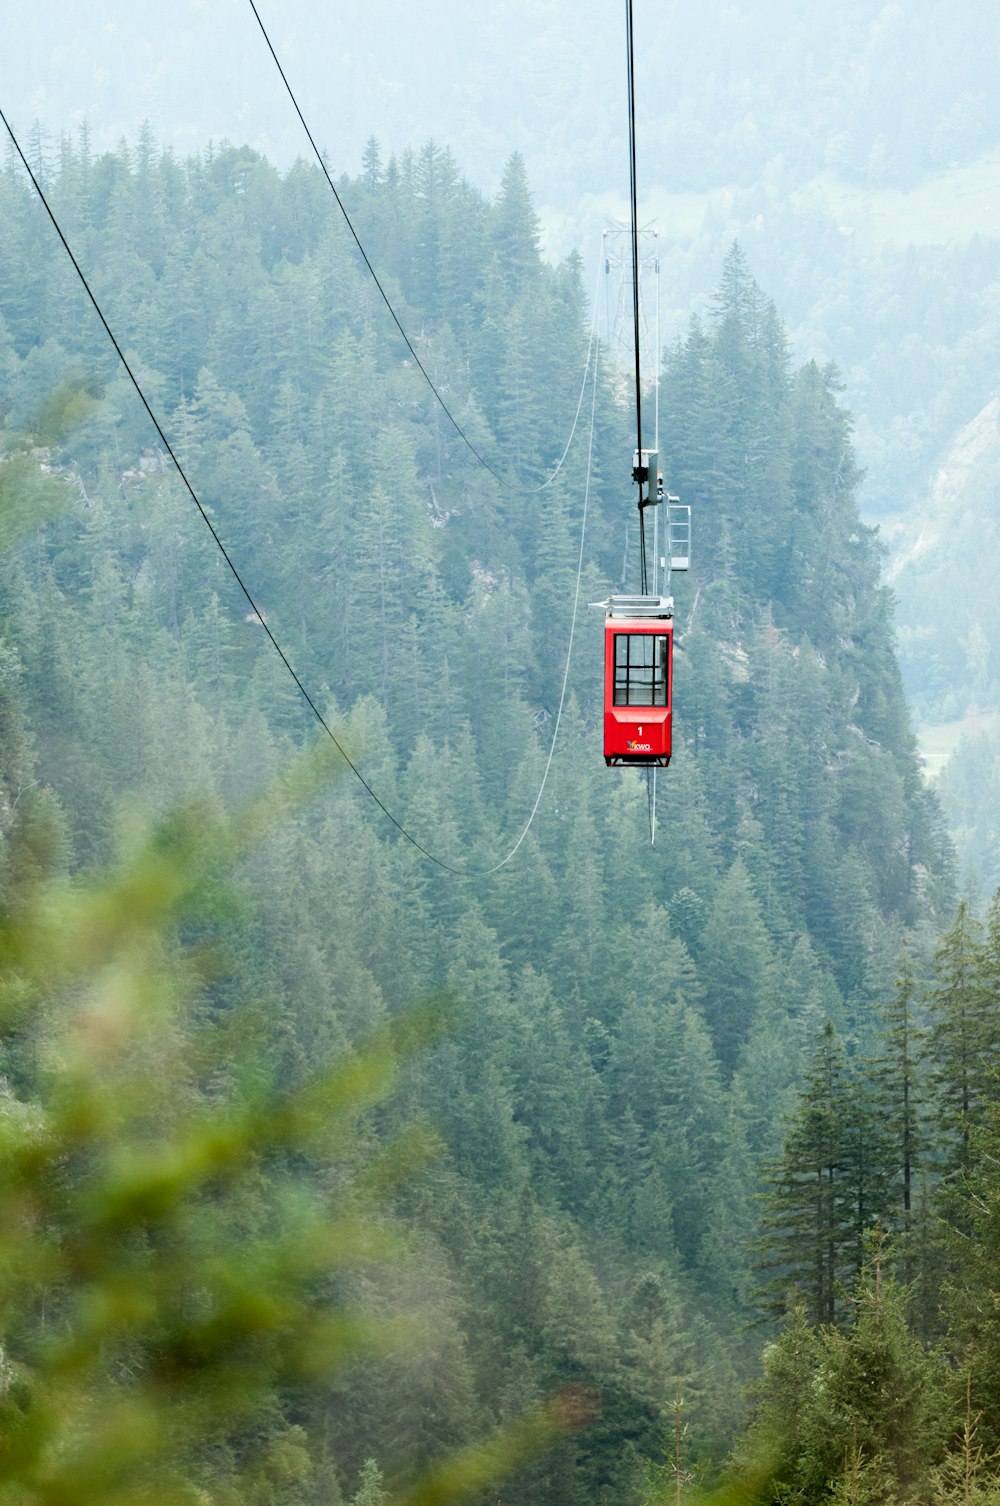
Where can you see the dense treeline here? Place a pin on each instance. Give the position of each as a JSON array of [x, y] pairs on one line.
[[880, 1238], [636, 1020]]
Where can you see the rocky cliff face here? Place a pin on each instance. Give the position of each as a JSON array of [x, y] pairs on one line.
[[943, 567]]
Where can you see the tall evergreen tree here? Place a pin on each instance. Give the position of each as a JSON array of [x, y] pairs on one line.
[[963, 1024], [898, 1082], [973, 1293], [881, 1423], [736, 964], [809, 1224]]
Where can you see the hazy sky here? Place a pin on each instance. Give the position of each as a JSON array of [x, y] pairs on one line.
[[475, 77], [817, 136]]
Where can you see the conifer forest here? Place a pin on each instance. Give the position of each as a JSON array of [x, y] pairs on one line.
[[612, 1174]]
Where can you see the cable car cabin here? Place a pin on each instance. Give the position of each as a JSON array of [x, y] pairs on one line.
[[638, 676]]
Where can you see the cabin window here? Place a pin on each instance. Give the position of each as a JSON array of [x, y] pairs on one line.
[[640, 669]]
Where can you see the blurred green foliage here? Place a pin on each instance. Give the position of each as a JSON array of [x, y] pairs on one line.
[[169, 1243], [32, 492], [27, 495]]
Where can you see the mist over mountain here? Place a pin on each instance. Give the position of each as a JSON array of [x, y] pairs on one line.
[[882, 94], [854, 154]]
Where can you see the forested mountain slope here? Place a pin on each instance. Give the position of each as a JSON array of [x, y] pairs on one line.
[[636, 1019], [853, 154]]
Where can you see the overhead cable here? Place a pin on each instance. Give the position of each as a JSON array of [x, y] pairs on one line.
[[583, 387], [385, 297], [633, 199], [258, 613], [572, 627], [364, 256]]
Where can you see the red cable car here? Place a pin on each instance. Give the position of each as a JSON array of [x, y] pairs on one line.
[[638, 680]]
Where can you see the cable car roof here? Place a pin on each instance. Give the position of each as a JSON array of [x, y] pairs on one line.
[[638, 606]]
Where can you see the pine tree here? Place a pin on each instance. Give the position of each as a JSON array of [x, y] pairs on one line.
[[963, 1026], [773, 1453], [882, 1415], [855, 1414], [371, 165], [972, 1290], [736, 964], [990, 974], [899, 1085], [966, 1477], [370, 1491], [809, 1222], [515, 227]]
